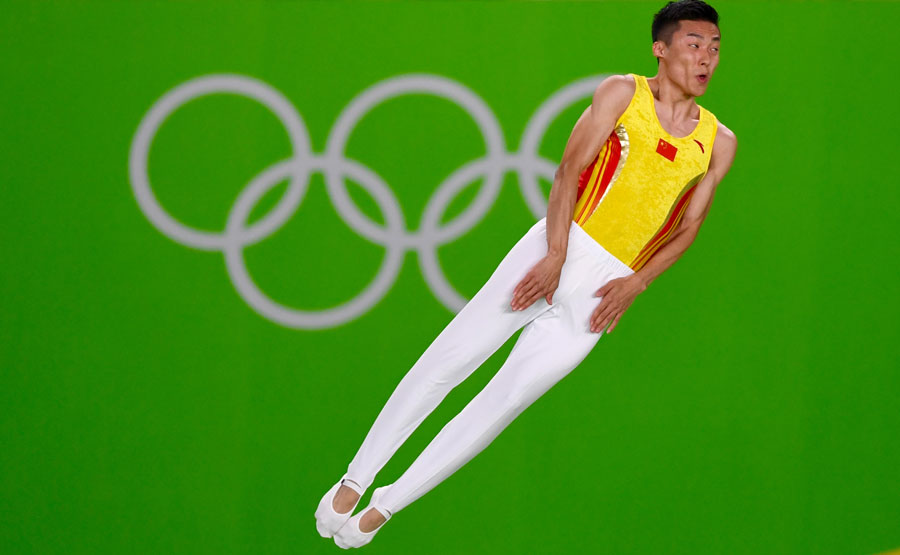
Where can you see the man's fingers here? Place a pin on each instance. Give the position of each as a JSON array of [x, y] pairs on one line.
[[602, 310], [537, 294], [523, 283], [616, 321], [603, 318], [531, 288], [608, 319], [523, 286], [521, 300], [595, 316], [527, 298], [595, 319], [529, 291], [595, 325]]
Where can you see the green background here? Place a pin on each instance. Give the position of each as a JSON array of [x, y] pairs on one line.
[[746, 403]]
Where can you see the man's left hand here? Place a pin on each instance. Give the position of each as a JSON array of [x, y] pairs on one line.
[[618, 294]]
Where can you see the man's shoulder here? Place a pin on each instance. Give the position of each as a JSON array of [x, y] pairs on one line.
[[616, 91], [725, 134], [618, 84], [725, 145]]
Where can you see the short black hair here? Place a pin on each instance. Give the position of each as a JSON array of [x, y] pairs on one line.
[[666, 21]]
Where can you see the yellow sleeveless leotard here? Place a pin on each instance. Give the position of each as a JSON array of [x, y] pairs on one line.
[[632, 196]]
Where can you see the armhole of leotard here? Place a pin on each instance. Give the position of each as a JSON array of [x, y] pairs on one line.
[[634, 97]]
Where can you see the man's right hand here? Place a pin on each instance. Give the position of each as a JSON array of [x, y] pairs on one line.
[[592, 129], [541, 281]]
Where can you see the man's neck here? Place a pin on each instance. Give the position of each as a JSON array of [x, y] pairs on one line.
[[671, 99]]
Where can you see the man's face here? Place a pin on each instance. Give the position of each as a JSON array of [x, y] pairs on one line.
[[692, 55]]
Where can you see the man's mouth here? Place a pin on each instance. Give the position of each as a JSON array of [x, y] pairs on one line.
[[703, 78]]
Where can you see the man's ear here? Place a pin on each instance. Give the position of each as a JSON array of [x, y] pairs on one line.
[[658, 48]]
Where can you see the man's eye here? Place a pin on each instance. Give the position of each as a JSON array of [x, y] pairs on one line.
[[693, 44]]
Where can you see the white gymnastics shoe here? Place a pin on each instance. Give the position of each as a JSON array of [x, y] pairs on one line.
[[350, 535], [329, 521]]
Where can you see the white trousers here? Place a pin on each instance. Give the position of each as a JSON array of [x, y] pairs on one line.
[[555, 339]]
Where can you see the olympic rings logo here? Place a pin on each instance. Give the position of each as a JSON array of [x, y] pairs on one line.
[[394, 235]]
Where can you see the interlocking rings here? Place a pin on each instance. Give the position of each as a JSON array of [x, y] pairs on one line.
[[394, 236]]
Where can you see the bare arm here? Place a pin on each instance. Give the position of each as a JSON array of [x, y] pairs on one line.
[[618, 294], [590, 132]]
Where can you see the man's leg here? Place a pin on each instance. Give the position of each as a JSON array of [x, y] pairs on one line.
[[474, 334], [550, 346], [546, 351]]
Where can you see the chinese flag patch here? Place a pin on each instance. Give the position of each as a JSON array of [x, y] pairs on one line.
[[666, 150]]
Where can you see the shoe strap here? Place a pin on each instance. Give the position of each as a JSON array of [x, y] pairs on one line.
[[375, 503], [352, 485]]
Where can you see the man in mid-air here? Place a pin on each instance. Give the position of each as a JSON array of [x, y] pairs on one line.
[[636, 181]]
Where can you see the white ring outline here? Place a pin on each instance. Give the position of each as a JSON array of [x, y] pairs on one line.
[[527, 164]]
